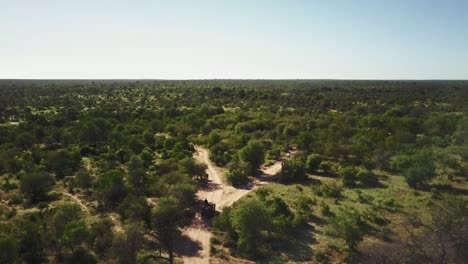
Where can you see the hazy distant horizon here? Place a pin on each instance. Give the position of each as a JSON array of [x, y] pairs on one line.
[[203, 40], [225, 79]]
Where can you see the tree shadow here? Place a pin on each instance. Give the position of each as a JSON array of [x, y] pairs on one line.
[[445, 188], [298, 246], [210, 186], [187, 247], [373, 185]]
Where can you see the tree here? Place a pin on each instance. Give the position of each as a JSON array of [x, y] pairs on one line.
[[9, 248], [102, 235], [304, 140], [147, 157], [250, 219], [366, 177], [80, 256], [127, 244], [36, 185], [84, 180], [134, 208], [166, 218], [112, 188], [313, 162], [137, 173], [65, 213], [213, 138], [75, 233], [253, 153], [327, 167], [292, 170], [420, 169], [62, 162], [444, 238], [194, 169], [348, 225], [32, 241], [185, 194], [237, 176], [25, 140], [348, 175]]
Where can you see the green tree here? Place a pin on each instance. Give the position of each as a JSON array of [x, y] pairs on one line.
[[36, 185], [134, 208], [167, 216], [251, 219], [420, 170], [213, 138], [253, 153], [75, 233], [63, 162], [194, 169], [9, 248], [64, 214], [347, 224], [237, 176], [292, 170], [101, 235], [32, 240], [327, 167], [126, 245], [112, 188], [137, 173], [25, 140], [366, 177], [348, 175], [84, 180], [313, 162], [80, 256]]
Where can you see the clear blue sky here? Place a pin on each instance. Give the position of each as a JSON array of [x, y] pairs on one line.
[[388, 39]]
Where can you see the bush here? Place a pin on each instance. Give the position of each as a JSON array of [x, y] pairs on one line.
[[418, 168], [332, 189], [292, 170], [237, 177], [327, 168], [348, 225], [366, 177], [36, 185], [253, 153], [251, 219], [325, 209], [348, 175], [313, 163]]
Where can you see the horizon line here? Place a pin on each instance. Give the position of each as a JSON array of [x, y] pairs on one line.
[[224, 79]]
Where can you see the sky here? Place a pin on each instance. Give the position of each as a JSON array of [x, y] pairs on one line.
[[243, 39]]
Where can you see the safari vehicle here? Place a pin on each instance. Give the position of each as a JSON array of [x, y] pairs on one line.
[[208, 209]]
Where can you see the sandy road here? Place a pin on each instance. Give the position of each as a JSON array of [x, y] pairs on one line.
[[78, 201], [223, 195]]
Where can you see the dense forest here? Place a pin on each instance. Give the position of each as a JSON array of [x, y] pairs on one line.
[[104, 171]]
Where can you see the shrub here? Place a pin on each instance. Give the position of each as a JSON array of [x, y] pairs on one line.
[[292, 170], [332, 189], [348, 175], [237, 177], [36, 185], [313, 163], [327, 168], [348, 225], [366, 177], [253, 153]]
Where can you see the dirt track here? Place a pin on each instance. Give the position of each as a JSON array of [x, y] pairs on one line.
[[223, 195]]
